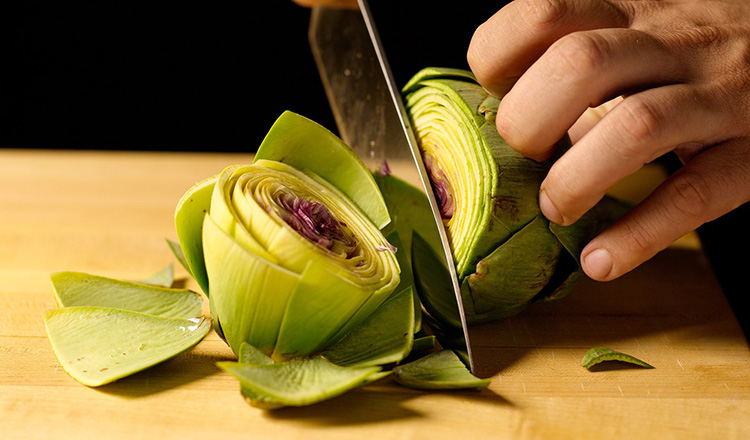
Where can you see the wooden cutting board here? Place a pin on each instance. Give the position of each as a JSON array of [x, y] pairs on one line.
[[108, 213]]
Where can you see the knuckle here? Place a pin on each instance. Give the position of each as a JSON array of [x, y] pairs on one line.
[[582, 53], [690, 195], [639, 123], [543, 14], [642, 238]]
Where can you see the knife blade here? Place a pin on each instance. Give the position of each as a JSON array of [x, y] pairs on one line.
[[371, 118]]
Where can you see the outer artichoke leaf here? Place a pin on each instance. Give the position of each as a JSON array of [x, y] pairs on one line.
[[251, 355], [249, 293], [304, 144], [163, 278], [410, 210], [407, 277], [97, 345], [597, 355], [433, 284], [82, 289], [423, 344], [188, 218], [298, 382], [496, 292], [320, 306], [179, 254], [385, 337], [438, 371]]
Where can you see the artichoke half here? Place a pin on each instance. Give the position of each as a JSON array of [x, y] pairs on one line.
[[291, 261], [507, 254]]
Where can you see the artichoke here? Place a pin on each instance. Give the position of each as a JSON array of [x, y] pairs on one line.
[[288, 249], [507, 254]]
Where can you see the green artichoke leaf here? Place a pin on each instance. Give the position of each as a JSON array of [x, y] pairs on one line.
[[176, 249], [384, 337], [407, 276], [298, 382], [188, 219], [98, 345], [304, 144], [250, 294], [163, 278], [251, 355], [424, 344], [597, 355], [82, 289], [439, 370]]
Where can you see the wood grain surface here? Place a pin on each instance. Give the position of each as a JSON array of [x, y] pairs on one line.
[[109, 213]]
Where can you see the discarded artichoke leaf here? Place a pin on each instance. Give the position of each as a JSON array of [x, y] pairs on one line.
[[188, 218], [304, 144], [98, 345], [163, 278], [298, 382], [179, 255], [82, 289], [385, 337], [440, 370], [423, 344], [251, 355], [602, 354]]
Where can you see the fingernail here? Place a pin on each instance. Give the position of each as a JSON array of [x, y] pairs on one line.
[[548, 209], [598, 263]]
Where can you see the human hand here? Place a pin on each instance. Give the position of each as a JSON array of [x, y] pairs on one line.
[[683, 69]]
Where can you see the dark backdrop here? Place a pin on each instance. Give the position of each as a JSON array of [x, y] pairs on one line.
[[191, 77]]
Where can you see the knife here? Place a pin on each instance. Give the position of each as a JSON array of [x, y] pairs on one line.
[[371, 118]]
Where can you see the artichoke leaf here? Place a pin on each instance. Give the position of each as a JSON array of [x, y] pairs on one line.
[[439, 370], [163, 278], [82, 289], [298, 382], [383, 338], [597, 355], [304, 144], [97, 345], [188, 220]]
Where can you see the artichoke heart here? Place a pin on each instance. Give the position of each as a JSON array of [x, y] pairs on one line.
[[292, 263], [507, 254]]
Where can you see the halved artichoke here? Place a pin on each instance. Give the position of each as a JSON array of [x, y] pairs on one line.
[[507, 254], [292, 263]]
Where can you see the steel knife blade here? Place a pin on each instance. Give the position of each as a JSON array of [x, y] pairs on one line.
[[371, 118]]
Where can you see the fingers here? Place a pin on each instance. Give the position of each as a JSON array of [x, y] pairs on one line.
[[639, 129], [580, 70], [713, 183], [508, 43]]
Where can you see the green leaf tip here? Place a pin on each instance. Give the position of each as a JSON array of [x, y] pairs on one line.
[[602, 354], [440, 370], [298, 382]]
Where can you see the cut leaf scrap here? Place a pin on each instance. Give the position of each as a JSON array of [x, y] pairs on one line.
[[440, 370], [82, 289], [97, 345], [602, 354], [298, 382], [163, 278]]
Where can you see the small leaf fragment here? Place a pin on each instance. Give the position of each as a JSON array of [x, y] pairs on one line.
[[163, 278], [179, 254], [82, 289], [98, 345], [440, 370], [251, 355], [601, 354], [298, 382]]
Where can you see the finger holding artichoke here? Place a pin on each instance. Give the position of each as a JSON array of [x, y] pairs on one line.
[[507, 254]]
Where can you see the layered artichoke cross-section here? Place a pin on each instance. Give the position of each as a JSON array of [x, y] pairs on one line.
[[507, 254]]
